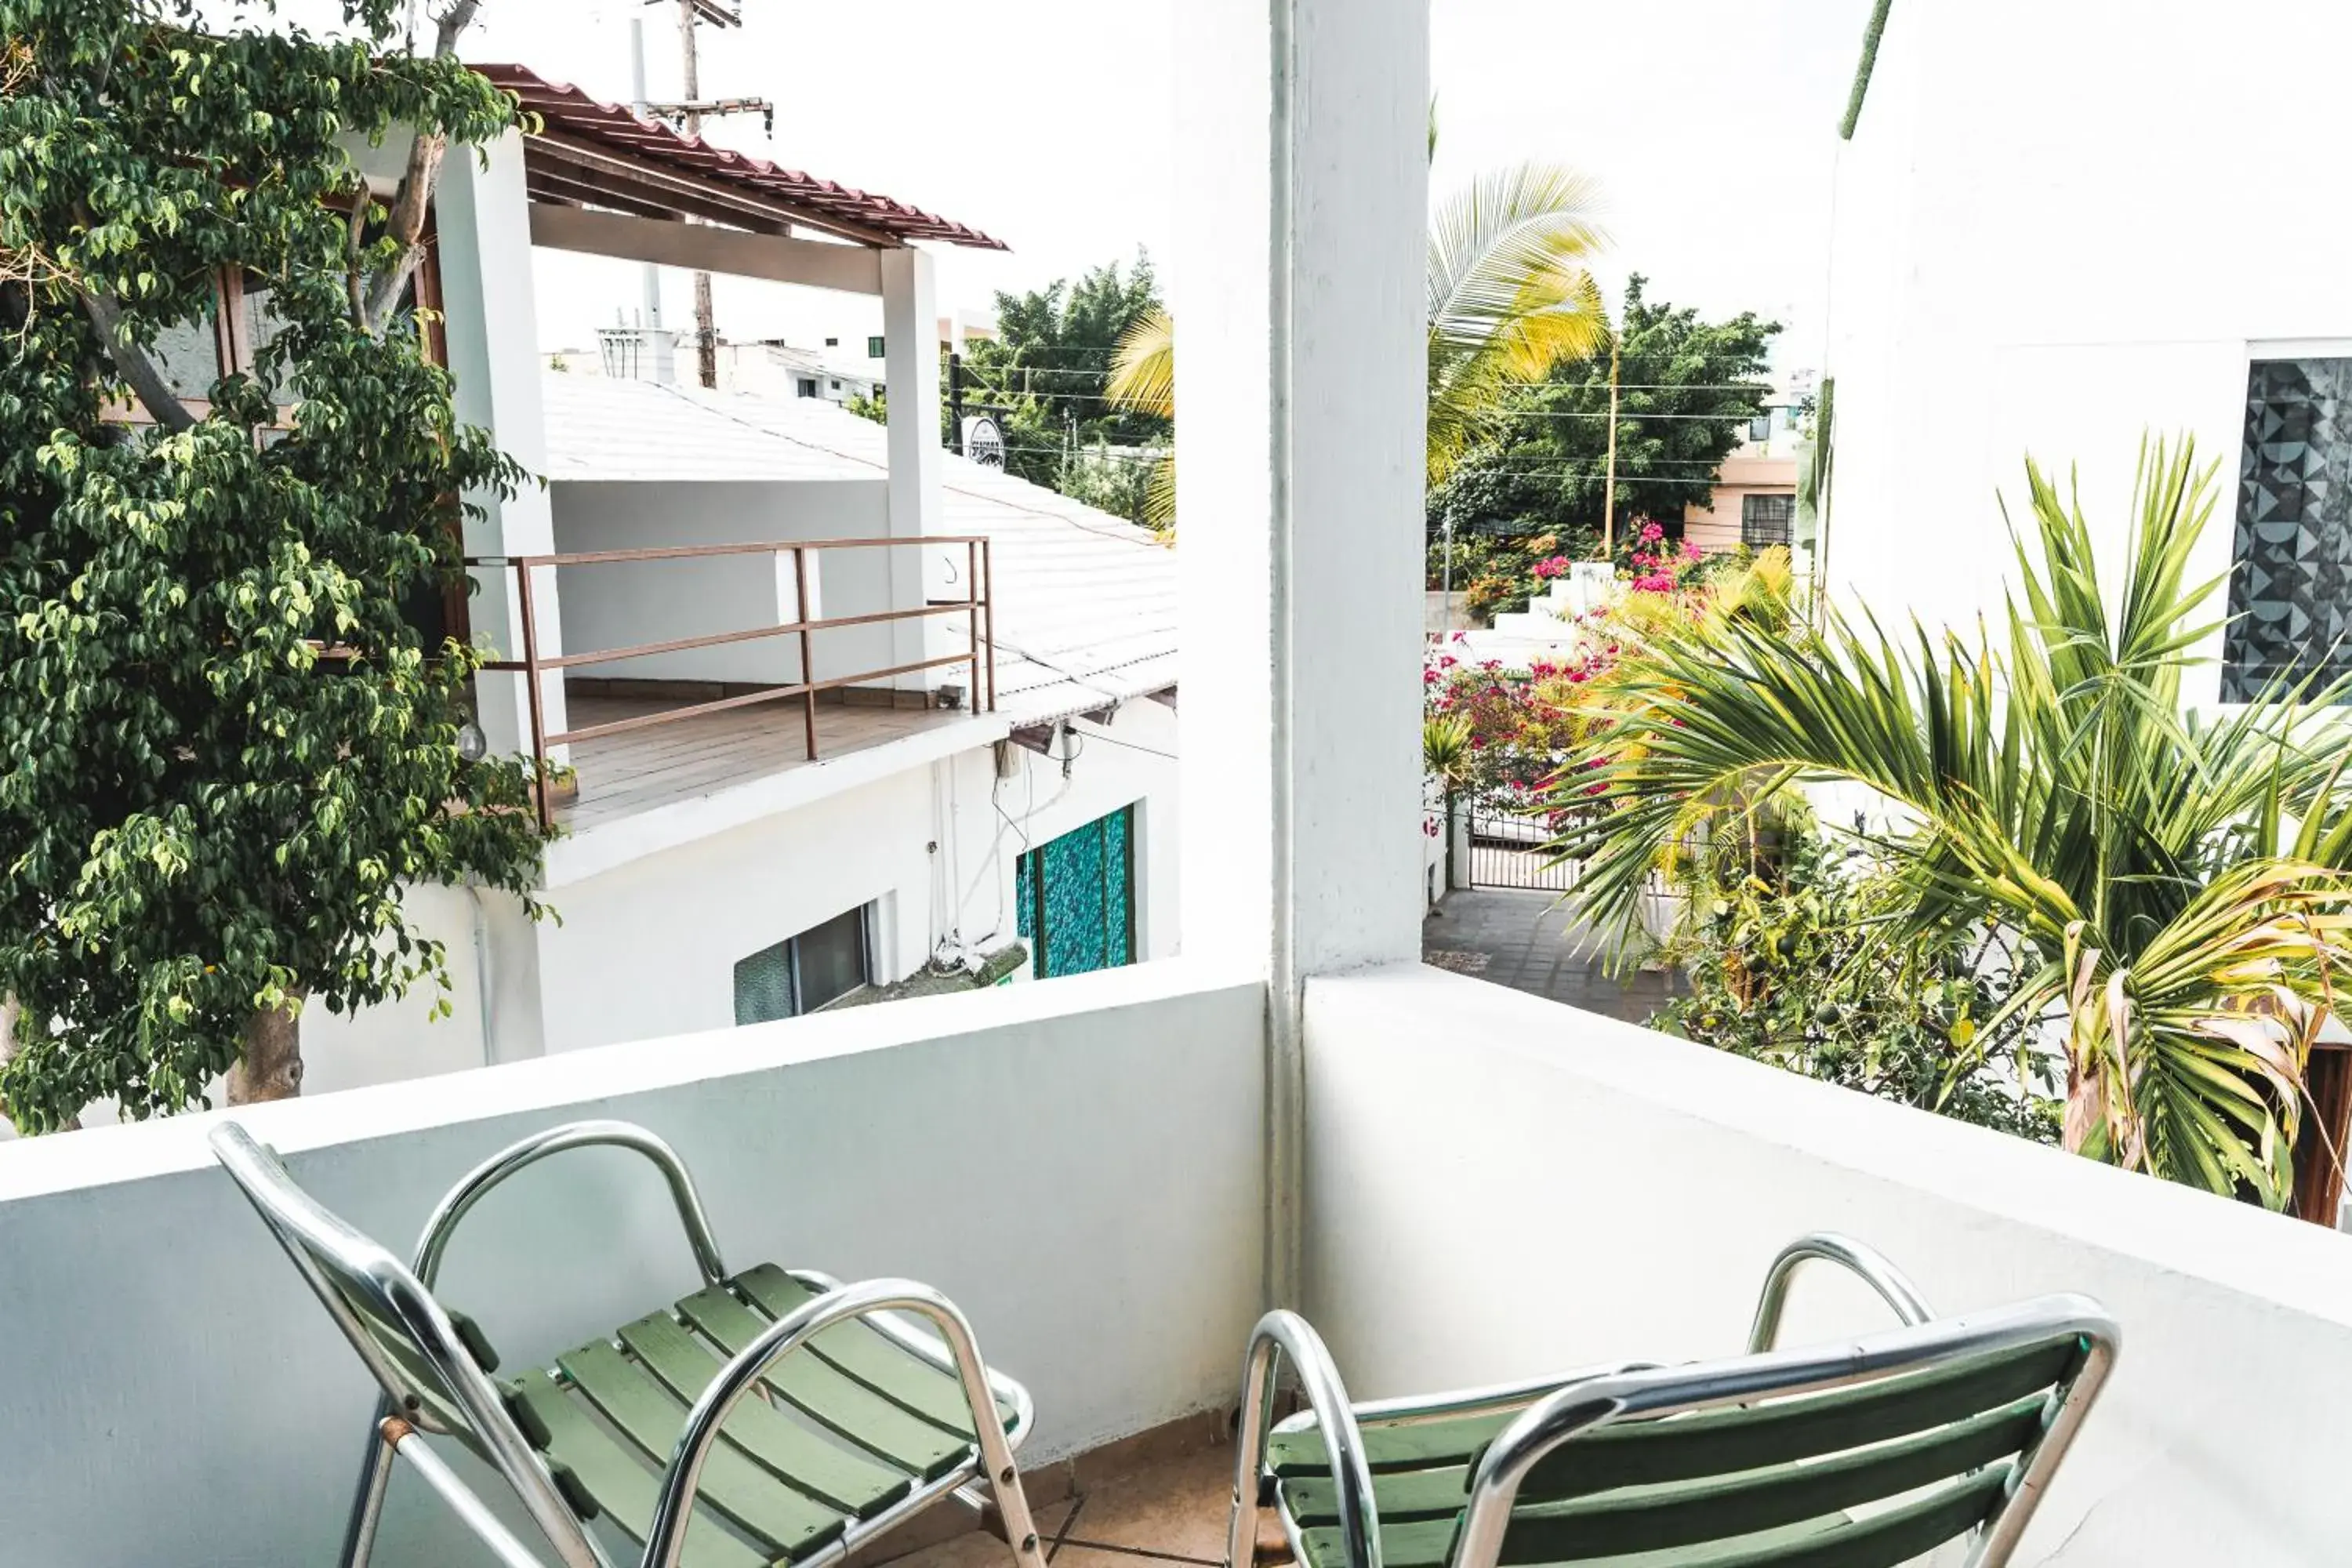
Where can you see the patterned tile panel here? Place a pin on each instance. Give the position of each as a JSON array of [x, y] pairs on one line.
[[2291, 581]]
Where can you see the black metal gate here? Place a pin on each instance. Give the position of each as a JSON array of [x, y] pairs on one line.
[[1510, 850]]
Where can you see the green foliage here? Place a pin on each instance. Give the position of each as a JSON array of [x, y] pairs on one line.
[[1683, 407], [1494, 574], [2050, 779], [1050, 368], [1784, 968], [226, 747]]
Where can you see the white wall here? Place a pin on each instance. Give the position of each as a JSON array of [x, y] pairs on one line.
[[175, 1396], [2058, 225], [609, 607], [649, 947], [1497, 1184]]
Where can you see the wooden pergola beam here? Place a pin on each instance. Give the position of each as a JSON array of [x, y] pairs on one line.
[[815, 264], [648, 185]]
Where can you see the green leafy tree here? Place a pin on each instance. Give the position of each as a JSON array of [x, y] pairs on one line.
[[1687, 388], [224, 747], [2175, 884], [1050, 368]]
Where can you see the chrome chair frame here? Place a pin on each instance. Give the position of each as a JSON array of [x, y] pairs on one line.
[[1576, 1401], [334, 1258]]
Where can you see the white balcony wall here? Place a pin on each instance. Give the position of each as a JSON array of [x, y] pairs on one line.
[[1497, 1184], [2059, 280], [620, 605], [1077, 1165]]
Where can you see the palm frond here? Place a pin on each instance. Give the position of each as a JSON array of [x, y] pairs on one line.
[[1509, 296], [1143, 367], [2049, 776]]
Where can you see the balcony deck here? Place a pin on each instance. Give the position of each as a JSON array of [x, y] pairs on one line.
[[622, 775]]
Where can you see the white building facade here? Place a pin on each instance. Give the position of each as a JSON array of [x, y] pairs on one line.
[[2059, 227], [986, 778]]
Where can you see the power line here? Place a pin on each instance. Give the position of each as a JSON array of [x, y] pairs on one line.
[[1147, 751]]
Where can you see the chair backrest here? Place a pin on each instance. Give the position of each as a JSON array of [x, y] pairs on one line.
[[407, 1338], [1866, 1455]]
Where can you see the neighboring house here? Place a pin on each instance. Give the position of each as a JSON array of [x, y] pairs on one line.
[[1754, 501], [2150, 250], [974, 785], [778, 369]]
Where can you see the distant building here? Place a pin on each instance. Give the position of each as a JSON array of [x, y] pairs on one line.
[[772, 368], [1754, 501]]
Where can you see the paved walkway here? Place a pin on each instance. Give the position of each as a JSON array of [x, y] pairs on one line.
[[1525, 941]]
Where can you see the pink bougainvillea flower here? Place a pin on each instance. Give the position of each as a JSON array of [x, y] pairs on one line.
[[1690, 549], [1652, 532]]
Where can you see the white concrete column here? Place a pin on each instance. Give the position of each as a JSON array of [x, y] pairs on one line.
[[1302, 197], [910, 368], [484, 217]]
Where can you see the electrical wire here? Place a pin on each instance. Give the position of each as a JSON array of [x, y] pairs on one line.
[[1130, 745]]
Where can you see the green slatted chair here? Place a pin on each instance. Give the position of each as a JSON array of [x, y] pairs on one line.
[[772, 1417], [1867, 1454]]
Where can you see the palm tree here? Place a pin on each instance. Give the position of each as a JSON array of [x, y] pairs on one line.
[[2052, 786], [1509, 296]]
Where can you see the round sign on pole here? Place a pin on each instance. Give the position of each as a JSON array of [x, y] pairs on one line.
[[983, 439]]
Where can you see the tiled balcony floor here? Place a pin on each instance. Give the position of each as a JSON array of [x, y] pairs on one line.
[[1173, 1511], [640, 769]]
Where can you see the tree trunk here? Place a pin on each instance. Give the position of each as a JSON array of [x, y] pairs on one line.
[[2086, 1106], [271, 1068]]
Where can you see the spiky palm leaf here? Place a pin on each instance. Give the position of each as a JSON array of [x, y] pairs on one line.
[[2050, 782], [1509, 296], [1143, 379]]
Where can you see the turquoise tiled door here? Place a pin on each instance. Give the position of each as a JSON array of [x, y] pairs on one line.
[[1076, 896]]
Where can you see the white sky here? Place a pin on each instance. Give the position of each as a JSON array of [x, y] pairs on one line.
[[1048, 124]]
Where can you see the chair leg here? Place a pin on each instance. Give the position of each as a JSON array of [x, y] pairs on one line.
[[367, 1505], [1012, 1507]]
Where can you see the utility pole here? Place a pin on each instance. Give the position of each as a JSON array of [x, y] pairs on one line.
[[688, 112], [955, 402], [1609, 484], [649, 281]]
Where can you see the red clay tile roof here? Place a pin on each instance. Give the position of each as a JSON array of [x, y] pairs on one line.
[[568, 111]]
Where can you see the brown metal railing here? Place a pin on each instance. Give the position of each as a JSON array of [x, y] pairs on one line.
[[979, 599]]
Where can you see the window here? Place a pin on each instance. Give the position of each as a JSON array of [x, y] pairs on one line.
[[803, 973], [836, 386], [833, 342], [1760, 427], [1765, 520], [2290, 552], [874, 348], [808, 386], [1075, 895]]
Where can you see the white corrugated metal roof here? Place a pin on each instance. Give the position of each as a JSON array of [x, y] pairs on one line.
[[1085, 611]]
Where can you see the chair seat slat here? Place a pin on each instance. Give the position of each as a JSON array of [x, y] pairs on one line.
[[792, 1524], [828, 1395], [830, 1472], [863, 1352], [618, 1481]]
